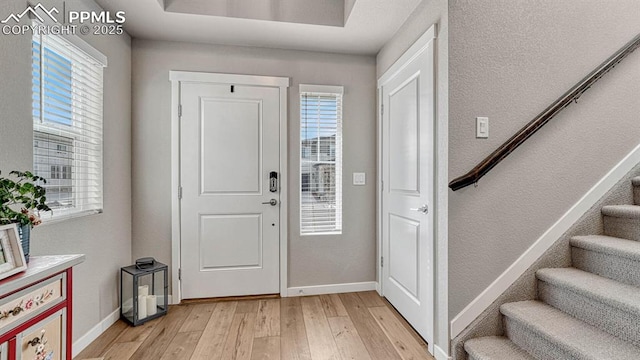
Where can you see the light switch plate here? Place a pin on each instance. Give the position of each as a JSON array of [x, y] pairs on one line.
[[482, 127], [359, 179]]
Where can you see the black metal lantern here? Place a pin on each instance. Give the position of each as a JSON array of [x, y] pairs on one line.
[[143, 291]]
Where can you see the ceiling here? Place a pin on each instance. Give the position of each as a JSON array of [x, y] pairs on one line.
[[341, 26]]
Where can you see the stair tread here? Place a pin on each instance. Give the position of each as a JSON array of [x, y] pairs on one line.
[[622, 211], [495, 348], [629, 249], [636, 181], [569, 333], [613, 293]]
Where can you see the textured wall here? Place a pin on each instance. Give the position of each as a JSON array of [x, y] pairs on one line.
[[508, 60], [16, 132], [427, 13], [104, 238], [313, 260]]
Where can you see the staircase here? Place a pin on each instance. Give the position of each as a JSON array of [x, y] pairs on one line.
[[589, 311]]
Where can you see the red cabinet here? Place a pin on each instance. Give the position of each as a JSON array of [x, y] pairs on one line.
[[36, 309]]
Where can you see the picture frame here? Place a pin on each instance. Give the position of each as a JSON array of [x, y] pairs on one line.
[[12, 259]]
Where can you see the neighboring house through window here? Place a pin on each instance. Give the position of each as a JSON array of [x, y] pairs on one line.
[[67, 93], [320, 159]]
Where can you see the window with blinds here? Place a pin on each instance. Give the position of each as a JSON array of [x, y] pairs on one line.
[[67, 91], [320, 159]]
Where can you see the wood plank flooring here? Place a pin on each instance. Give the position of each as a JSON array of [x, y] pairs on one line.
[[358, 326]]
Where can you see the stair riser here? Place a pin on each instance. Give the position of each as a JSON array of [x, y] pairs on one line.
[[622, 228], [636, 195], [536, 345], [619, 323], [613, 267]]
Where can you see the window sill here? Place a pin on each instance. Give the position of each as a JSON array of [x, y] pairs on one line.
[[54, 219], [323, 233]]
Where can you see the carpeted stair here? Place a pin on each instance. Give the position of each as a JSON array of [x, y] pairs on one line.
[[590, 311]]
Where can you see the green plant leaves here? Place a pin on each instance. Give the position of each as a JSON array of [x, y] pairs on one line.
[[18, 193]]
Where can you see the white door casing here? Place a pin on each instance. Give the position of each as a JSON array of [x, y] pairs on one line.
[[407, 206], [230, 239]]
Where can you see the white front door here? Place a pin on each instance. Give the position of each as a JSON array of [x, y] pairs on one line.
[[230, 213], [408, 190]]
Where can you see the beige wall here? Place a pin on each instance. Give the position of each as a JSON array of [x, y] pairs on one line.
[[508, 60], [104, 238], [313, 260]]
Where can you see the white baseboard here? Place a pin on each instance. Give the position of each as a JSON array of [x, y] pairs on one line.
[[440, 354], [96, 331], [524, 262], [331, 289]]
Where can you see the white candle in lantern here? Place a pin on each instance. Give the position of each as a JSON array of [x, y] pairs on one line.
[[143, 290], [142, 307], [152, 305]]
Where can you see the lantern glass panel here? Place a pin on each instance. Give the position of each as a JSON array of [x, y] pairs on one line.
[[158, 290], [127, 296]]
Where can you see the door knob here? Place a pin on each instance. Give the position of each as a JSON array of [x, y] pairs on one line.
[[272, 202], [423, 209]]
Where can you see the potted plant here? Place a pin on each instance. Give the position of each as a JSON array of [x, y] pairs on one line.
[[21, 201]]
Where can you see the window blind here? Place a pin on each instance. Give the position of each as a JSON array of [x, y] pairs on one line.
[[67, 94], [320, 159]]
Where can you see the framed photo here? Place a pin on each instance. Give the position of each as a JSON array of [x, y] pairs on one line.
[[11, 256]]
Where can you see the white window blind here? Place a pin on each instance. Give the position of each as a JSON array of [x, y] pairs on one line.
[[320, 159], [67, 90]]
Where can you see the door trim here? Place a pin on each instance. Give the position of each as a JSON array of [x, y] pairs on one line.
[[178, 77], [440, 343]]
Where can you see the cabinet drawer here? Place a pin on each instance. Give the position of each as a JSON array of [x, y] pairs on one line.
[[32, 301], [45, 340]]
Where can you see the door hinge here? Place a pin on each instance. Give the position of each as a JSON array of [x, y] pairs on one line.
[[381, 109], [381, 185], [381, 261], [180, 110], [179, 274], [179, 192]]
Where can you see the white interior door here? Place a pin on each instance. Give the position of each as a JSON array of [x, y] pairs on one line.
[[229, 145], [408, 190]]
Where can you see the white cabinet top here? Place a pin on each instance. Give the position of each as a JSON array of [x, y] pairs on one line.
[[39, 268]]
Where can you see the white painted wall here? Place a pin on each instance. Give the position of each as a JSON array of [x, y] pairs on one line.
[[313, 260], [104, 238]]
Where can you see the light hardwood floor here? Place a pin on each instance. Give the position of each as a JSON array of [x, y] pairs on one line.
[[338, 327]]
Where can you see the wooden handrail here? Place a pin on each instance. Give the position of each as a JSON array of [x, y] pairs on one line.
[[539, 121]]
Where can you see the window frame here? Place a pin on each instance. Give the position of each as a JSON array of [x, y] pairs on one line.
[[85, 56], [338, 92]]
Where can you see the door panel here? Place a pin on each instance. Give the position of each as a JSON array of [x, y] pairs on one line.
[[403, 138], [403, 253], [246, 249], [221, 120], [407, 168], [229, 232]]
